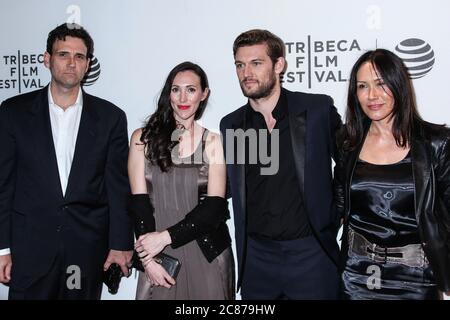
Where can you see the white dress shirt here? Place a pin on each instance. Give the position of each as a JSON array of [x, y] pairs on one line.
[[65, 125]]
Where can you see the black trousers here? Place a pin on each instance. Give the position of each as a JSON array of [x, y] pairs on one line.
[[294, 269], [60, 283]]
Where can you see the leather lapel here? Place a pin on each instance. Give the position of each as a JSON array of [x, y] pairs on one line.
[[350, 164], [349, 167], [421, 162]]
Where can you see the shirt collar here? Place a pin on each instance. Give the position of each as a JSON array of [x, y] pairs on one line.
[[78, 102], [280, 109], [278, 112]]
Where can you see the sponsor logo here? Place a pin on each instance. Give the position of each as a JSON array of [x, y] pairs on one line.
[[93, 73], [417, 55]]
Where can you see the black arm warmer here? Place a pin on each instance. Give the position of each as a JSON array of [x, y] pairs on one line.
[[141, 211], [206, 217]]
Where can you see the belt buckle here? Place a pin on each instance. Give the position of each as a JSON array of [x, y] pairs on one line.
[[377, 255]]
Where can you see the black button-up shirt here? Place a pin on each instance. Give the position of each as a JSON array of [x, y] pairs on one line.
[[274, 204]]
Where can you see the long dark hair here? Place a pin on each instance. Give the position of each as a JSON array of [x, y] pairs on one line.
[[157, 133], [394, 73]]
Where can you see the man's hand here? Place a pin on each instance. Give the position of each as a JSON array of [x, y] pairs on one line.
[[5, 268], [122, 258]]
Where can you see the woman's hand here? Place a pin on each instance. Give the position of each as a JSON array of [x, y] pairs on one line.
[[150, 244], [157, 275]]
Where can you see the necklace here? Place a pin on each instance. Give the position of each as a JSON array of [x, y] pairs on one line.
[[181, 129]]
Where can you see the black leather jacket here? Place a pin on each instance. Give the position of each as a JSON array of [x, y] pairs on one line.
[[430, 153]]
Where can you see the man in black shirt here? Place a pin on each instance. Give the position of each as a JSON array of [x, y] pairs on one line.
[[279, 148]]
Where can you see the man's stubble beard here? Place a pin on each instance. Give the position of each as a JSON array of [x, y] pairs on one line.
[[262, 92]]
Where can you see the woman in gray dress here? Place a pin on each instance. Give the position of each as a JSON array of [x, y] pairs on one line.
[[177, 173]]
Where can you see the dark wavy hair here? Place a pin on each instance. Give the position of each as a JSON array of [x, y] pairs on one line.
[[157, 133], [276, 47], [70, 30], [394, 73]]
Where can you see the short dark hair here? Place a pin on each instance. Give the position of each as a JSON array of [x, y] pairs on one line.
[[70, 30], [275, 45], [395, 75]]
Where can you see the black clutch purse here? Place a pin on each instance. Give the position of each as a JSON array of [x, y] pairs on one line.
[[112, 277], [171, 264]]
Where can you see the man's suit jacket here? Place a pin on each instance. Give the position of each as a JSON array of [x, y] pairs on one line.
[[36, 220], [313, 121]]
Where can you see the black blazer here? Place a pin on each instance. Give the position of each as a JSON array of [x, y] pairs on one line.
[[430, 153], [36, 220], [313, 121]]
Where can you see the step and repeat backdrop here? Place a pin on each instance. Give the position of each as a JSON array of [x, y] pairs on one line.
[[138, 42]]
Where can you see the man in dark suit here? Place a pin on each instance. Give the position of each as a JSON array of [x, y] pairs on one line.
[[63, 181], [285, 219]]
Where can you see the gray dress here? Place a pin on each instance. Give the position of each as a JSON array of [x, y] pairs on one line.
[[174, 194]]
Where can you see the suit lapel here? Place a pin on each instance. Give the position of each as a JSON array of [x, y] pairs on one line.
[[240, 168], [297, 128], [43, 142], [85, 142]]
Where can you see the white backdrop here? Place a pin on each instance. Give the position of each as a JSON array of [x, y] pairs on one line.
[[137, 42]]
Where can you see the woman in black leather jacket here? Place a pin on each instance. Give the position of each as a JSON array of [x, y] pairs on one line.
[[392, 188]]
